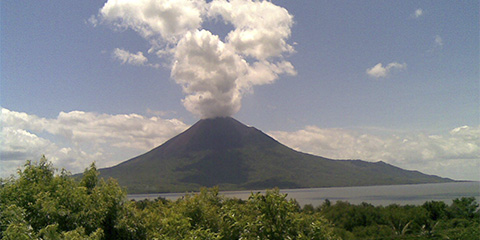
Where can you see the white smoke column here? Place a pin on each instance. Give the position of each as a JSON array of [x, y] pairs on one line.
[[207, 70], [214, 73]]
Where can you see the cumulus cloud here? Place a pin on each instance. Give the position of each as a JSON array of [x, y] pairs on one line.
[[207, 70], [130, 58], [214, 73], [378, 71], [18, 145], [454, 154], [168, 19], [418, 13], [75, 139], [261, 27]]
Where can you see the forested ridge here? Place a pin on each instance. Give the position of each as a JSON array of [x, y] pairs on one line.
[[44, 203]]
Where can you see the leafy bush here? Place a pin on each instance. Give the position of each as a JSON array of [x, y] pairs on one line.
[[41, 204], [432, 220]]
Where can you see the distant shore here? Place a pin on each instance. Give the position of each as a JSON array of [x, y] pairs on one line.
[[415, 194]]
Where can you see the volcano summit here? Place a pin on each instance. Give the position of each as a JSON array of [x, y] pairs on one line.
[[224, 152]]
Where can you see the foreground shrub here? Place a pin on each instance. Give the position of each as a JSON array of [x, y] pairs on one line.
[[44, 204]]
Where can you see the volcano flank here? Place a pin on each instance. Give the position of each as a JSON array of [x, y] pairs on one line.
[[224, 152]]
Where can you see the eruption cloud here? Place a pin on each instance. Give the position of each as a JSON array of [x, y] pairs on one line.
[[214, 73]]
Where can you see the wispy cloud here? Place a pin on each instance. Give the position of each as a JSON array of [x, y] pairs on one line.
[[436, 45], [129, 58], [92, 20], [438, 41], [137, 59], [378, 71]]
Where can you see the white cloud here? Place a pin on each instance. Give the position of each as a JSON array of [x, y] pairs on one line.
[[20, 144], [169, 18], [214, 76], [418, 13], [260, 27], [75, 139], [21, 120], [378, 71], [130, 58], [207, 69], [214, 73], [454, 154]]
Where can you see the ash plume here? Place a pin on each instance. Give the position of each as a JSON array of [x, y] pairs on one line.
[[214, 73]]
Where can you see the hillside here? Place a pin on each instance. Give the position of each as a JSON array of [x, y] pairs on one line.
[[224, 152]]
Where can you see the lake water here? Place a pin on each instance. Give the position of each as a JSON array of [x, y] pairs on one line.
[[415, 194]]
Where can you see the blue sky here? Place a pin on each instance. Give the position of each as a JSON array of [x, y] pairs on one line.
[[393, 81]]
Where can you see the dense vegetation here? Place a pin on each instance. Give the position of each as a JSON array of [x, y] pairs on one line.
[[41, 204]]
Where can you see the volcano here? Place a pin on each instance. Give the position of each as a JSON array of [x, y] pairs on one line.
[[226, 153]]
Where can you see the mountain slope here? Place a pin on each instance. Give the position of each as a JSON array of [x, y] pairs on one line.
[[224, 152]]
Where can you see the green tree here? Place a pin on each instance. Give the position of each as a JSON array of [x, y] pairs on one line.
[[43, 204], [405, 220], [13, 224], [90, 178], [274, 217], [465, 207], [436, 209]]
